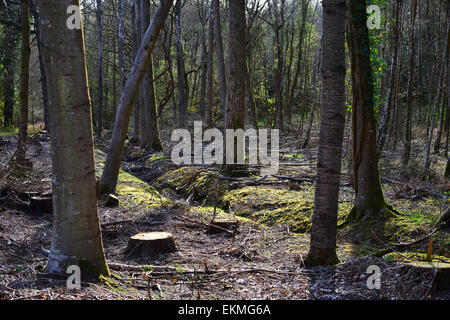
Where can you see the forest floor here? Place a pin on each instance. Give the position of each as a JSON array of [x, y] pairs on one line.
[[263, 259]]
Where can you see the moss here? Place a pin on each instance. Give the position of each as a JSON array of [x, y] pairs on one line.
[[274, 206], [134, 191], [413, 256], [193, 180]]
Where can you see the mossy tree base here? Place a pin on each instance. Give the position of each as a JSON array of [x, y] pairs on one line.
[[370, 213]]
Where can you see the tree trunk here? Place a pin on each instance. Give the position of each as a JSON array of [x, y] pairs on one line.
[[204, 66], [235, 106], [136, 105], [24, 83], [445, 58], [290, 102], [181, 70], [278, 67], [100, 69], [220, 57], [76, 236], [9, 73], [324, 221], [110, 174], [369, 195], [210, 73], [150, 115], [409, 99], [45, 101], [387, 110]]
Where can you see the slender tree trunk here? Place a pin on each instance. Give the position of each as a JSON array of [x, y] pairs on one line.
[[204, 66], [324, 221], [387, 110], [210, 73], [251, 97], [445, 58], [9, 47], [150, 115], [76, 236], [110, 174], [100, 69], [136, 105], [44, 86], [220, 57], [181, 70], [278, 66], [24, 82], [121, 39], [290, 102], [409, 99]]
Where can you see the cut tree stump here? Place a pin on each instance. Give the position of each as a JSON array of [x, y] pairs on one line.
[[41, 204], [441, 281], [227, 224], [151, 244]]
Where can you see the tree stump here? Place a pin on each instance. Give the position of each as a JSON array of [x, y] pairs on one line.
[[227, 224], [151, 244], [41, 204], [441, 281]]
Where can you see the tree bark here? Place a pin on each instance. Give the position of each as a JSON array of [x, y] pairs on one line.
[[220, 57], [324, 221], [181, 70], [235, 106], [150, 115], [136, 104], [409, 99], [76, 237], [210, 73], [24, 82], [369, 195], [44, 86], [387, 110], [444, 62], [100, 69]]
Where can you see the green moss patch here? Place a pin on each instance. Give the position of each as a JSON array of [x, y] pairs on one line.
[[193, 180], [275, 206]]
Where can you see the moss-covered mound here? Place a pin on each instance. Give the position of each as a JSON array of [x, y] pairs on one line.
[[194, 181], [275, 206]]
